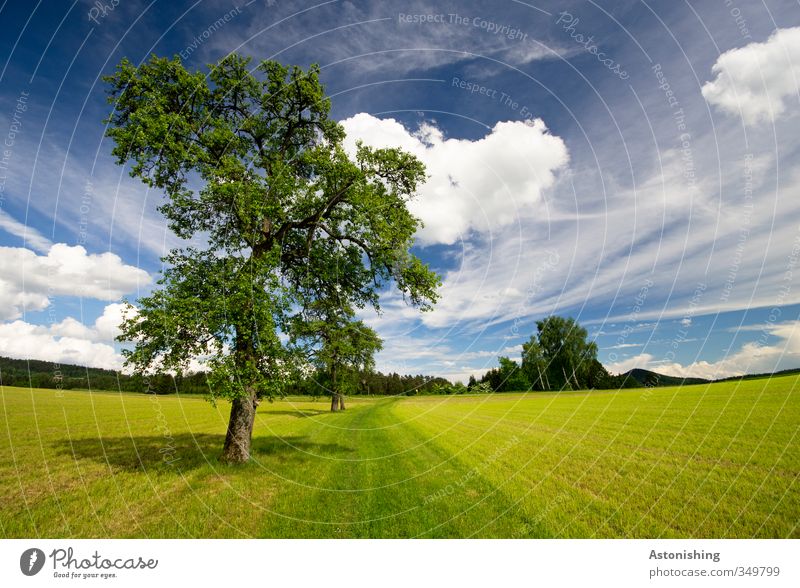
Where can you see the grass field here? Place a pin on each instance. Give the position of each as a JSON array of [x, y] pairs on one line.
[[701, 461]]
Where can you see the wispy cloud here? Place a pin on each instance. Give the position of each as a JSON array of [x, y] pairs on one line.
[[29, 235]]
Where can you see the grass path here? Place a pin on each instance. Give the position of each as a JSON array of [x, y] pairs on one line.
[[702, 461], [392, 483]]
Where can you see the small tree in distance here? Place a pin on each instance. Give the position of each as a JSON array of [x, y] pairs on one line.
[[341, 347]]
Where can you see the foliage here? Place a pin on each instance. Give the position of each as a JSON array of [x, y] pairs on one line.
[[559, 356], [481, 388], [340, 347], [534, 365], [513, 377], [597, 377]]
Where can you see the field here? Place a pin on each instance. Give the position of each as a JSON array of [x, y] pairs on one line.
[[718, 460]]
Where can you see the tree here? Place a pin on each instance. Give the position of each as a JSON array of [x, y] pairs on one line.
[[510, 376], [559, 356], [482, 388], [597, 377], [341, 347], [492, 379], [254, 170], [534, 364], [458, 388]]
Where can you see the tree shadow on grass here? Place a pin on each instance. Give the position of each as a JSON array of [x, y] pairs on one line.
[[186, 451]]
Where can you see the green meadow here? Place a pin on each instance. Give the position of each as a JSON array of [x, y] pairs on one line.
[[717, 460]]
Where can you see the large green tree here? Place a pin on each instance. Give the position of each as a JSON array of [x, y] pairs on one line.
[[559, 356], [255, 175], [512, 377]]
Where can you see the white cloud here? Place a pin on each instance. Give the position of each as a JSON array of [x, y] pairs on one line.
[[482, 185], [107, 324], [26, 341], [71, 328], [27, 280], [758, 81], [608, 244], [753, 358]]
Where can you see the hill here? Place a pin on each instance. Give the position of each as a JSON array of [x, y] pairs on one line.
[[649, 378], [789, 372]]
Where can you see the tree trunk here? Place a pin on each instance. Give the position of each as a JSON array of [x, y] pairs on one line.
[[341, 401], [334, 402], [240, 430]]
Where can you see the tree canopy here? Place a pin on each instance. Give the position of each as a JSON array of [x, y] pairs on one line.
[[559, 356], [341, 347]]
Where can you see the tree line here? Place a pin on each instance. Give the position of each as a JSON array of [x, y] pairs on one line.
[[558, 356], [57, 376]]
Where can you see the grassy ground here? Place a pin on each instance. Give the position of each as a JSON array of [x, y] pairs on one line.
[[699, 461]]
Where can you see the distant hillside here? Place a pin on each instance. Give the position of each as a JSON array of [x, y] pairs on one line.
[[649, 378], [764, 375]]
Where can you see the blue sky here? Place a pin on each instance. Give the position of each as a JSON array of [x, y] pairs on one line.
[[631, 164]]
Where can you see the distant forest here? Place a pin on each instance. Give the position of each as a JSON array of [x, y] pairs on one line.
[[44, 374]]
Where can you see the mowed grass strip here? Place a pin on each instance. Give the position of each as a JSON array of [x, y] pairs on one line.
[[699, 461]]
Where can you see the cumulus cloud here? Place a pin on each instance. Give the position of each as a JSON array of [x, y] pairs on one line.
[[27, 279], [753, 357], [104, 330], [482, 185], [72, 342], [758, 81], [66, 342], [23, 340]]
